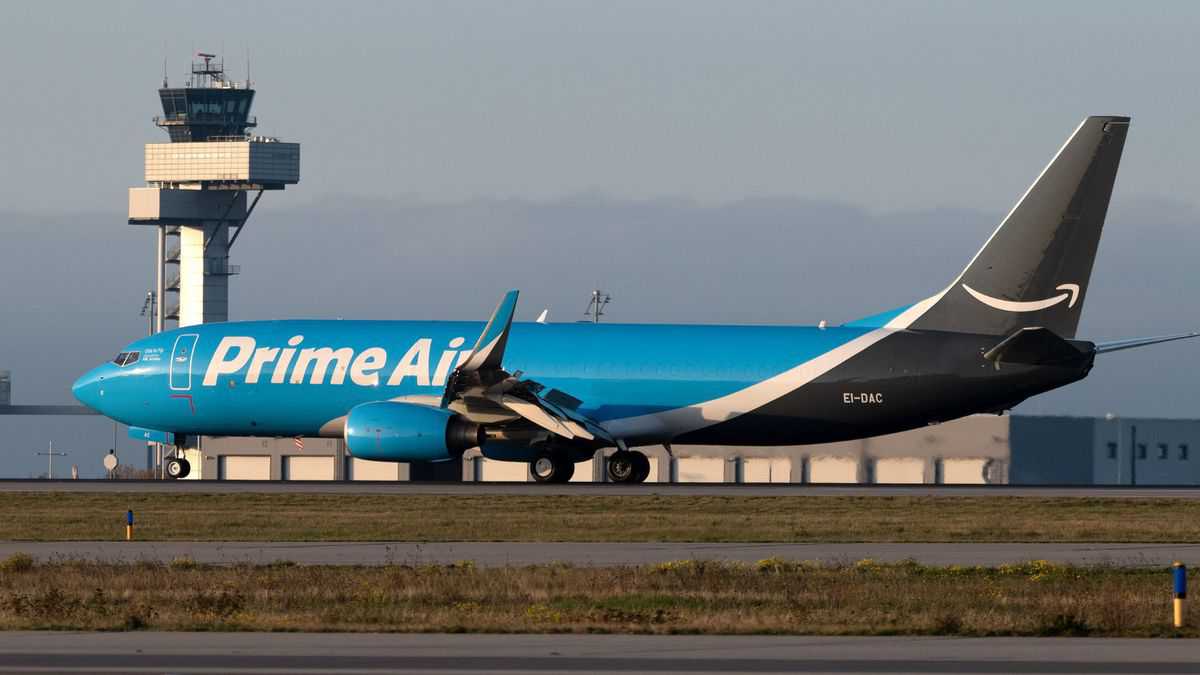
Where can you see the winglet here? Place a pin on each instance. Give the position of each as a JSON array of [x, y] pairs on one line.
[[543, 316], [489, 348]]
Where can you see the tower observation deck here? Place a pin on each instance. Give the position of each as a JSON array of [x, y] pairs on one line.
[[209, 107], [197, 189]]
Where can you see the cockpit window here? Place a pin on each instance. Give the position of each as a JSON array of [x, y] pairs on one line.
[[126, 358]]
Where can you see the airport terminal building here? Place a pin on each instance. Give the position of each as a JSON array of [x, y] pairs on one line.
[[983, 449]]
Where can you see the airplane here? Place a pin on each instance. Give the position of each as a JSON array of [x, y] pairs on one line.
[[552, 394]]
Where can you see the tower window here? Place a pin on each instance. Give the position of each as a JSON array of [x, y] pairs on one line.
[[1141, 448], [1183, 451], [1112, 450], [1162, 450]]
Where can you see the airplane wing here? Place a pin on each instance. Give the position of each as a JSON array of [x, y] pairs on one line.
[[1105, 347], [482, 390]]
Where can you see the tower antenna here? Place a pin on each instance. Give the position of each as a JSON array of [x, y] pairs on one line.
[[596, 305]]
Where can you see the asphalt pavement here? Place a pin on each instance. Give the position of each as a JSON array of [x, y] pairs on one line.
[[493, 554], [140, 652]]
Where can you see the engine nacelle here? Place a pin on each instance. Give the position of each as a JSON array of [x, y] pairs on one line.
[[391, 431]]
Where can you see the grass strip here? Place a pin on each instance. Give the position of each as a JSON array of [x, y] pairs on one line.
[[770, 597], [675, 518]]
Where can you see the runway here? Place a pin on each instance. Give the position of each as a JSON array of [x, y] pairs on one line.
[[597, 489], [369, 653], [494, 554]]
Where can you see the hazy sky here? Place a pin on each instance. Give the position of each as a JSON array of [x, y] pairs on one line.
[[724, 162], [885, 105]]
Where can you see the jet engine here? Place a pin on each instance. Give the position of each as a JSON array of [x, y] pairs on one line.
[[391, 431]]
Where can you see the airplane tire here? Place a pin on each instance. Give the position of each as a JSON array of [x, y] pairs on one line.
[[552, 469], [622, 467], [178, 467], [565, 472], [641, 467]]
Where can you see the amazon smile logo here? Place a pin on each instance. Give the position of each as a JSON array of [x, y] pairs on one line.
[[1071, 296]]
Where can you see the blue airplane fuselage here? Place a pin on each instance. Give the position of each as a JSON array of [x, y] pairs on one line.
[[277, 378]]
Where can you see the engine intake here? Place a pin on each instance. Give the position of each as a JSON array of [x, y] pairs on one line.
[[391, 431]]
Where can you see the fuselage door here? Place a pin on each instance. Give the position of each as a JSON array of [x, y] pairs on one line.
[[181, 362]]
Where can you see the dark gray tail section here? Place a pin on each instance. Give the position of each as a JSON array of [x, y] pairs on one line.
[[1034, 270]]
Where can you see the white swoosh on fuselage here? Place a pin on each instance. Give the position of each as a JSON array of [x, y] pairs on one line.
[[662, 426], [1072, 292]]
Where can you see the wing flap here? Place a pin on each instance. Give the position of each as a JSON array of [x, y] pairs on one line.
[[537, 415]]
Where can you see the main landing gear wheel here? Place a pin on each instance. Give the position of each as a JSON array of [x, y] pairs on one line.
[[552, 469], [628, 466], [641, 466], [178, 467]]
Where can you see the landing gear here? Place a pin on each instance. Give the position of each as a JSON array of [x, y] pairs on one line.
[[628, 466], [178, 467], [552, 469], [641, 465]]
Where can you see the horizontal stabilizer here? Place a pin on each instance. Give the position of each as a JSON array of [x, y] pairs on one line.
[[1105, 347], [1035, 347]]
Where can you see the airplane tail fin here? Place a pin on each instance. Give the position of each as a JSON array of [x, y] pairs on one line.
[[1034, 270]]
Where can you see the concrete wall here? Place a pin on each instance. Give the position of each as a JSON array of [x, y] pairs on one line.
[[1051, 450], [974, 450], [1145, 451], [242, 161], [206, 458], [495, 470], [766, 470], [700, 470], [203, 288]]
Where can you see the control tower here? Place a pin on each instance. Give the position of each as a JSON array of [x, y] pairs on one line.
[[197, 189]]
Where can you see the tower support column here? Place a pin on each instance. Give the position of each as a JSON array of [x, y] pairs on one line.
[[204, 273], [160, 281]]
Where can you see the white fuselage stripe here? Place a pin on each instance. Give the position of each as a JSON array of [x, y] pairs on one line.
[[662, 426]]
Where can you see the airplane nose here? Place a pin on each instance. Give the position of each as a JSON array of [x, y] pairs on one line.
[[87, 388]]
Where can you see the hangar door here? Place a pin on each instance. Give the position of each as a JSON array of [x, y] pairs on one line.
[[296, 467], [244, 467], [365, 469]]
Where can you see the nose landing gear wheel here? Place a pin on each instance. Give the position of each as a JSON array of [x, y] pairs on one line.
[[552, 469], [628, 466], [177, 467]]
